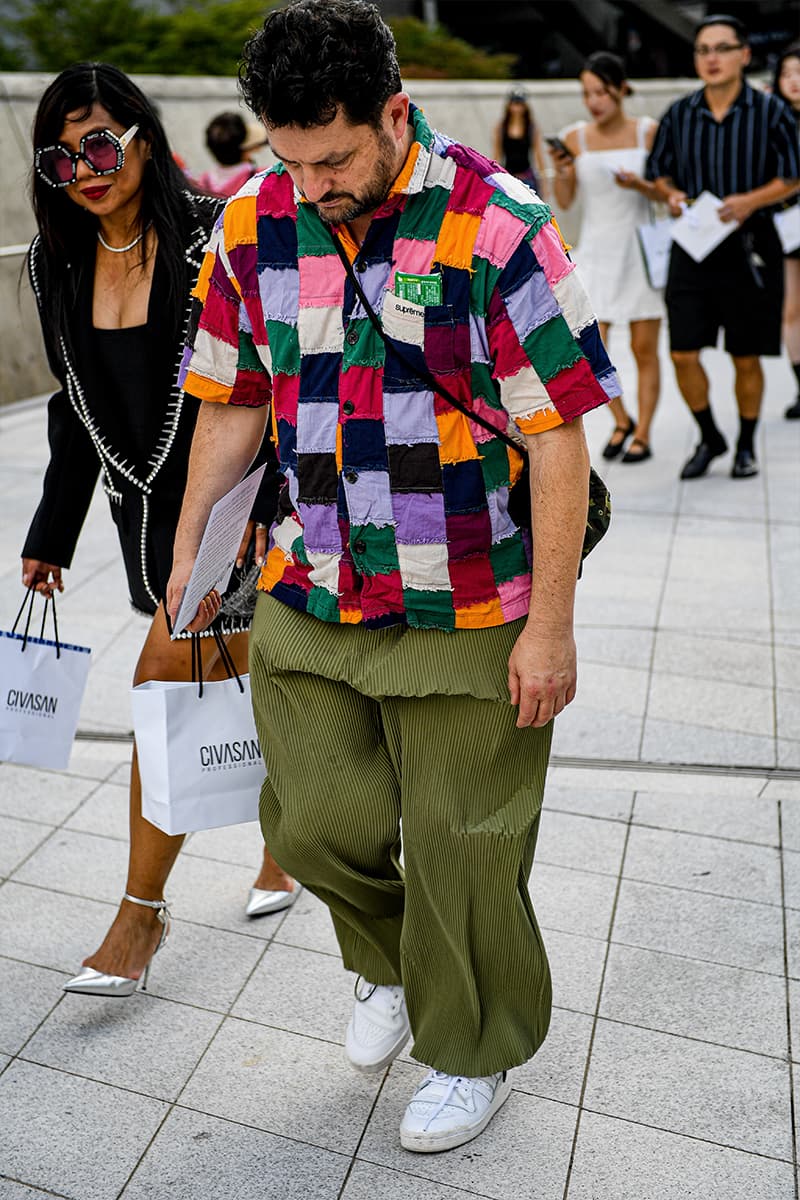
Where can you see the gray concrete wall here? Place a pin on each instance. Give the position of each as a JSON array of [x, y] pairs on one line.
[[467, 111]]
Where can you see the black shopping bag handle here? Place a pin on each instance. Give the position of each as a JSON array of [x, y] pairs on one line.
[[29, 599], [197, 660]]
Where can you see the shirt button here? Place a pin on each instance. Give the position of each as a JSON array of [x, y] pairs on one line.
[[360, 546], [348, 407], [361, 266], [352, 337], [351, 476]]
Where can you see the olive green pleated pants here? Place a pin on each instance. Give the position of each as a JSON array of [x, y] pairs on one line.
[[345, 763]]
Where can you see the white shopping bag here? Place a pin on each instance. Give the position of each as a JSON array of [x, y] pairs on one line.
[[199, 757], [787, 223], [655, 240], [41, 688]]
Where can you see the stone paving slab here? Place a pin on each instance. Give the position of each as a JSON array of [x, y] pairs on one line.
[[668, 1038]]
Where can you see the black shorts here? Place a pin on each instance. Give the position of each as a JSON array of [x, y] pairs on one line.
[[738, 288]]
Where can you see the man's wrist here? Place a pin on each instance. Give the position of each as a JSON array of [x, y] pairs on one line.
[[534, 627]]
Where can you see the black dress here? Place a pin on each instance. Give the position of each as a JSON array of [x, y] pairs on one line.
[[120, 412]]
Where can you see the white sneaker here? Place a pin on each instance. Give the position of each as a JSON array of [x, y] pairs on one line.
[[378, 1028], [448, 1110]]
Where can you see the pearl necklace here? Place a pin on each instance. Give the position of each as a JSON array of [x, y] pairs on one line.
[[122, 249]]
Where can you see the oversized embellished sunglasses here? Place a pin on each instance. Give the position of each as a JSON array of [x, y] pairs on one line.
[[102, 151]]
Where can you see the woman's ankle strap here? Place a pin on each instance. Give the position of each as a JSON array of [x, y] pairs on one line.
[[144, 903]]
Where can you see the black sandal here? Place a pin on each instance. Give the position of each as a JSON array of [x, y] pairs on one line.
[[641, 455], [614, 449]]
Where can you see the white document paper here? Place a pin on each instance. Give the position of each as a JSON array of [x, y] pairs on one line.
[[787, 223], [699, 230], [221, 541]]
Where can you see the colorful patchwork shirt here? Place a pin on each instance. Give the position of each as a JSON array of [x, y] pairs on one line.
[[395, 509]]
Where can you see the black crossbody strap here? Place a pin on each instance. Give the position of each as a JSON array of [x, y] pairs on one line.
[[599, 510], [425, 376]]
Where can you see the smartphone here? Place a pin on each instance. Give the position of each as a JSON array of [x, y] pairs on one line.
[[557, 144]]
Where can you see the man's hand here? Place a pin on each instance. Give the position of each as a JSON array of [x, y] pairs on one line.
[[542, 675], [736, 208], [207, 609], [675, 201]]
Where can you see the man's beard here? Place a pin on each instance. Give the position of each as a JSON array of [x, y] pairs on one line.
[[374, 192]]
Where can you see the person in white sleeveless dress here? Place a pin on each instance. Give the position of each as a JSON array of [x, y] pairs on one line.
[[606, 161]]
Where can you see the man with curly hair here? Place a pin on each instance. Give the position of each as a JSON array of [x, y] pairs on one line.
[[412, 642]]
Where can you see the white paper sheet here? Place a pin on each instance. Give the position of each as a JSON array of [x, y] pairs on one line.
[[787, 224], [699, 230], [218, 548]]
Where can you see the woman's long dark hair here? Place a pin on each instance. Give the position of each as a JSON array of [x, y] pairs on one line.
[[790, 51], [518, 98], [609, 69], [68, 232]]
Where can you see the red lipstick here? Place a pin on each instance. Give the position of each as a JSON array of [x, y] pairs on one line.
[[96, 193]]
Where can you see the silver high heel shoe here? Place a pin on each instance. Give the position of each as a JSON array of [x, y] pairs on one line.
[[260, 902], [89, 982]]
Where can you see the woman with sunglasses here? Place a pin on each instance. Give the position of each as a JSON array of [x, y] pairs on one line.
[[119, 246]]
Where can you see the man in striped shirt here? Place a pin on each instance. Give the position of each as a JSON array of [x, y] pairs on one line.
[[741, 145]]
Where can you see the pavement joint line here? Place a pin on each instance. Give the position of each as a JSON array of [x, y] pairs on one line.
[[789, 1049], [599, 998], [692, 1037], [35, 1189], [692, 1137], [744, 770], [459, 1188], [363, 1134], [286, 1137]]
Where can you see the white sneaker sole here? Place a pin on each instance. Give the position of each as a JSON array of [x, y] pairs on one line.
[[374, 1067], [432, 1143]]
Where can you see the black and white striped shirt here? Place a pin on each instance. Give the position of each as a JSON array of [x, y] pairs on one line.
[[754, 143]]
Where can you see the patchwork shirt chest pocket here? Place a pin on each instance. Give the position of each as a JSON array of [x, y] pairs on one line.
[[403, 320], [447, 343], [432, 328]]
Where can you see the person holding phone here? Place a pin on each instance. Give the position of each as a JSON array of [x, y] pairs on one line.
[[605, 158]]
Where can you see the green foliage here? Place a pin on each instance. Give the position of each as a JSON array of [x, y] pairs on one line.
[[198, 37], [435, 54], [10, 59], [54, 33], [204, 37], [207, 38]]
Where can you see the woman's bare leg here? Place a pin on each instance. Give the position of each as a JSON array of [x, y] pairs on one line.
[[619, 412], [644, 344], [135, 931], [791, 308], [129, 944]]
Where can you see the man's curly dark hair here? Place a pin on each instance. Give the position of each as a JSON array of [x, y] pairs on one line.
[[315, 57]]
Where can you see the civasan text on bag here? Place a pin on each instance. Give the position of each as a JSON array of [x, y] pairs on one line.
[[38, 703], [226, 756]]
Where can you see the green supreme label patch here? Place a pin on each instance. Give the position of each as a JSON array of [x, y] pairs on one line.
[[419, 289]]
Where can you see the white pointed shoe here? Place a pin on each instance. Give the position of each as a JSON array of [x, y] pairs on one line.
[[378, 1028], [448, 1110], [89, 982], [260, 902]]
